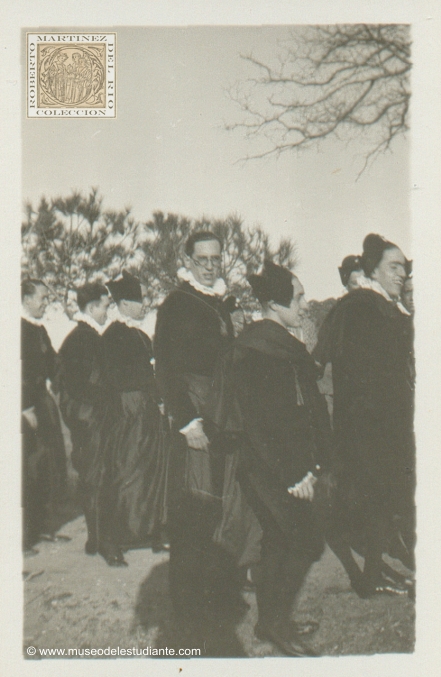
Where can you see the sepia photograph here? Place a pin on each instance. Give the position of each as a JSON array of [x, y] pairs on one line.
[[219, 385]]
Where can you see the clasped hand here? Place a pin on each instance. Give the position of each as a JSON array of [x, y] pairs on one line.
[[196, 438]]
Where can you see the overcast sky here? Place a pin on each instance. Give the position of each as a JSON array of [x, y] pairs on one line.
[[168, 150]]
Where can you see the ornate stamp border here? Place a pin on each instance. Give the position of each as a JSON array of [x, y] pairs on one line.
[[71, 75]]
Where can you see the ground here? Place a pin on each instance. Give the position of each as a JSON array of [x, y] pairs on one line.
[[76, 601]]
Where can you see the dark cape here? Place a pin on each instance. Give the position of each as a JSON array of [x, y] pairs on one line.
[[44, 456], [373, 376], [84, 400], [269, 403], [136, 448], [193, 330]]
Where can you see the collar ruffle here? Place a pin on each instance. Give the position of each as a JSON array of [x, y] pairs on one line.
[[218, 289], [373, 285], [129, 321], [32, 320], [87, 319]]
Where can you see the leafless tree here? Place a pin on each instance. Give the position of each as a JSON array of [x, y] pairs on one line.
[[343, 80]]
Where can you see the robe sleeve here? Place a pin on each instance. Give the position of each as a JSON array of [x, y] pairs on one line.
[[173, 335], [367, 359], [279, 429], [82, 367], [29, 371]]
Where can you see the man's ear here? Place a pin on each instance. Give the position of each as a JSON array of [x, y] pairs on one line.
[[273, 305], [374, 274], [186, 260], [89, 306]]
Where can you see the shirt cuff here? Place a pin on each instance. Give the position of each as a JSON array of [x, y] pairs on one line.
[[190, 426]]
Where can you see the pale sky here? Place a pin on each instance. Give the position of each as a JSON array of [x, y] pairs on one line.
[[168, 150]]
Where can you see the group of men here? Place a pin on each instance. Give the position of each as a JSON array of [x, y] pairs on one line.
[[108, 399], [242, 462]]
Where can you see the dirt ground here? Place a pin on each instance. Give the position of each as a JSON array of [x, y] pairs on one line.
[[76, 601]]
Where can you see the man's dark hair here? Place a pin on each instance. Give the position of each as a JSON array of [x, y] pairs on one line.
[[374, 247], [29, 287], [92, 291], [201, 236], [350, 264], [274, 283]]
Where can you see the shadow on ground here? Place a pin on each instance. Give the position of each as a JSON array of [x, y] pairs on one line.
[[153, 609]]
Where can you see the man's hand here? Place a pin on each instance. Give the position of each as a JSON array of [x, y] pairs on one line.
[[305, 488], [196, 438], [31, 417]]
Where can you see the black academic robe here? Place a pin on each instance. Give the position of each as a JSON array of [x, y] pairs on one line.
[[373, 378], [285, 424], [44, 456], [136, 448], [192, 331], [84, 400], [38, 359]]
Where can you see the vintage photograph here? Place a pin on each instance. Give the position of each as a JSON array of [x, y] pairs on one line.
[[218, 453]]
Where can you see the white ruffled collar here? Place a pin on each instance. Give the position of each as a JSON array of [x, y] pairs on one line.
[[218, 289], [129, 321], [368, 283], [32, 320], [87, 319]]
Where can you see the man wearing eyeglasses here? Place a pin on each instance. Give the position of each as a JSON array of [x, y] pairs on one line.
[[193, 329]]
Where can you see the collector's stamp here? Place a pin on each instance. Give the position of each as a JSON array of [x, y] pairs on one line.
[[71, 75]]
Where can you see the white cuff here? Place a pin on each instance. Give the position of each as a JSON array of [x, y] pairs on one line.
[[191, 426]]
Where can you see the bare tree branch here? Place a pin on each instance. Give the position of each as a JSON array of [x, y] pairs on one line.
[[345, 80]]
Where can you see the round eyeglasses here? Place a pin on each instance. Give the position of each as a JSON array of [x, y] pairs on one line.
[[205, 261]]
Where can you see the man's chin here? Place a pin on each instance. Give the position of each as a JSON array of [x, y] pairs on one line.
[[208, 283], [397, 290]]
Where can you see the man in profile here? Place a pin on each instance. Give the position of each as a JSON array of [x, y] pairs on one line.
[[138, 468], [371, 351], [84, 403], [286, 445], [193, 329]]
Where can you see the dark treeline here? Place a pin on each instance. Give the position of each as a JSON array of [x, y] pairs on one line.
[[68, 241]]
